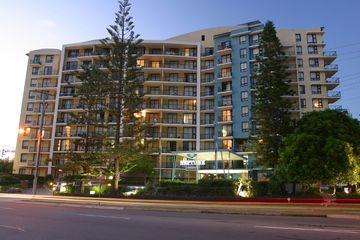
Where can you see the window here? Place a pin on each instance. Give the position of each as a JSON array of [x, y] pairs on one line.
[[226, 131], [255, 38], [303, 103], [157, 51], [49, 58], [35, 71], [225, 72], [302, 89], [226, 101], [32, 94], [33, 82], [22, 171], [202, 37], [155, 64], [244, 81], [243, 53], [25, 144], [36, 59], [23, 158], [209, 51], [298, 37], [191, 91], [156, 77], [89, 51], [48, 70], [317, 103], [243, 39], [73, 53], [298, 50], [140, 62], [255, 52], [227, 144], [71, 65], [188, 118], [316, 89], [311, 38], [30, 106], [244, 111], [245, 126], [300, 76], [244, 96], [225, 115], [190, 64], [28, 119], [300, 62], [224, 59], [315, 76], [243, 67], [313, 62], [312, 50]]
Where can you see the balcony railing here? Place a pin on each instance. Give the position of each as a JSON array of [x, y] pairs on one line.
[[207, 93], [178, 121], [224, 47], [225, 134], [207, 107], [331, 67], [334, 94], [207, 136], [179, 135], [224, 103], [225, 75], [329, 53], [46, 73], [205, 80], [225, 89], [225, 119], [42, 149], [333, 80]]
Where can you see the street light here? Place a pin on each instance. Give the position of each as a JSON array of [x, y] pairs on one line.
[[39, 138]]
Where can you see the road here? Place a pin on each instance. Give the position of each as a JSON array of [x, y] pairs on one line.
[[38, 221]]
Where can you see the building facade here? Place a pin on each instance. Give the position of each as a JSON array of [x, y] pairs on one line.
[[198, 96]]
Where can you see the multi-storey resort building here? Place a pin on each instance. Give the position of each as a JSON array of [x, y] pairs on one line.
[[198, 96]]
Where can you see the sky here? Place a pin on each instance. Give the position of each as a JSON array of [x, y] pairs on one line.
[[26, 25]]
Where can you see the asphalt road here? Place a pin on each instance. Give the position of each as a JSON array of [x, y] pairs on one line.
[[38, 221]]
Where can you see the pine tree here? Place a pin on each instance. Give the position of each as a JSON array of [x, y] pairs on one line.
[[125, 95], [271, 109], [92, 95]]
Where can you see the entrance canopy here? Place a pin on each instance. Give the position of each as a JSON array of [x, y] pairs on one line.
[[206, 155]]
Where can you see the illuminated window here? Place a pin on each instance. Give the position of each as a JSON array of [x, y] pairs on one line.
[[317, 103], [155, 64], [140, 62], [227, 144], [226, 115]]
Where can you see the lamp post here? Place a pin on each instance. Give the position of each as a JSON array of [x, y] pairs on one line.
[[39, 139]]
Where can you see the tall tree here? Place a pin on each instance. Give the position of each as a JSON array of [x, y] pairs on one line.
[[324, 147], [89, 124], [126, 95], [271, 109]]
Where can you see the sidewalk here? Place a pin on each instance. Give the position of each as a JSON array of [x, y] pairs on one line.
[[335, 210]]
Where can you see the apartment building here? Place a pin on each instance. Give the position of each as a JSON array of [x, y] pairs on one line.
[[198, 96]]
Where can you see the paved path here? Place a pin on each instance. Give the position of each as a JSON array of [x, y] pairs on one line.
[[37, 221]]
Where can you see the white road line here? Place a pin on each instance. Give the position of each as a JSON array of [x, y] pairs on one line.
[[311, 229], [12, 227], [103, 216], [6, 208]]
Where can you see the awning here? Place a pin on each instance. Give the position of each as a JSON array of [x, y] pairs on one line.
[[210, 155]]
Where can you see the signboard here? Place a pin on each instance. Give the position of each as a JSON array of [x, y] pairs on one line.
[[189, 162]]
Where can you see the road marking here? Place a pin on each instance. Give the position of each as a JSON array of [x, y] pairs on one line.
[[103, 216], [311, 229], [12, 227], [6, 208]]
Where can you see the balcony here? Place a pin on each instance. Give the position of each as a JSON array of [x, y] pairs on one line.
[[331, 67], [67, 93], [179, 107], [224, 103], [35, 62], [224, 75], [207, 93], [333, 94], [224, 47], [224, 89], [207, 136], [179, 93], [207, 80], [46, 73], [42, 149], [180, 53], [178, 135], [225, 134], [224, 62], [180, 80], [181, 121], [207, 107], [207, 67], [330, 54], [46, 85], [207, 121], [225, 119]]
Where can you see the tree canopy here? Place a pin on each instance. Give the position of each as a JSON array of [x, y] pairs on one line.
[[324, 147]]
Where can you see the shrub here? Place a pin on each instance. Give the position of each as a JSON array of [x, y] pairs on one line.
[[7, 180]]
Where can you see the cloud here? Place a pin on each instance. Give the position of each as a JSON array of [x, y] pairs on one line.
[[47, 23]]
